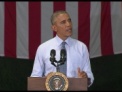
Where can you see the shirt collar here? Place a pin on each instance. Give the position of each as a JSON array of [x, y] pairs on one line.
[[59, 40]]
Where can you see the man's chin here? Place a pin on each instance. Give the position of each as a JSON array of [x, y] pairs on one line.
[[70, 34]]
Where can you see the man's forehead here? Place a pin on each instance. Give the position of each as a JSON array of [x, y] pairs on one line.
[[63, 17]]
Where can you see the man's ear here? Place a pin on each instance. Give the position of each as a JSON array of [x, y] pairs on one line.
[[54, 28]]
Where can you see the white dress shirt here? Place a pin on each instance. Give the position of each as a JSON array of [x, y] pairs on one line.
[[77, 56]]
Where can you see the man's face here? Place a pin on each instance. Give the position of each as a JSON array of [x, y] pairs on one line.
[[63, 26]]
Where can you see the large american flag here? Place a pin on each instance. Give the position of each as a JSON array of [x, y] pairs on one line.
[[25, 25]]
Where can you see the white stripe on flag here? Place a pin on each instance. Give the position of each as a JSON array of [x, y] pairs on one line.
[[46, 12], [116, 11], [22, 29], [95, 45], [1, 28], [72, 9]]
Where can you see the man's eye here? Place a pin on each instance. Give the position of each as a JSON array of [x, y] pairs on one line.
[[63, 22], [69, 20]]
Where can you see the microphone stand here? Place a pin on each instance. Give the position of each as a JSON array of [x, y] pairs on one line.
[[60, 62], [57, 67]]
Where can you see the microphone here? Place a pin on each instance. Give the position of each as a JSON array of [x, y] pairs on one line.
[[52, 58], [63, 56]]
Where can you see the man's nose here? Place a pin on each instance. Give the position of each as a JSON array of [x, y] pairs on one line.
[[68, 23]]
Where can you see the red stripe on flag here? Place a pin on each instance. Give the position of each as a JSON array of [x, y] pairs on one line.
[[34, 27], [58, 6], [84, 22], [10, 29], [106, 31]]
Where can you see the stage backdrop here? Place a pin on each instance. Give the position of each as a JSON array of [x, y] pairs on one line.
[[25, 25]]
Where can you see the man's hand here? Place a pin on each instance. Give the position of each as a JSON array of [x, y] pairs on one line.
[[81, 74]]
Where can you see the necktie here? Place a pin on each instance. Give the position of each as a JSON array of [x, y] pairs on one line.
[[63, 67], [63, 45]]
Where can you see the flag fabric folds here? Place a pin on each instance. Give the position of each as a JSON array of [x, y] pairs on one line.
[[25, 25]]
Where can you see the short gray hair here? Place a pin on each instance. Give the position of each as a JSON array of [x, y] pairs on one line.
[[55, 14]]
